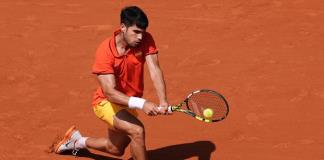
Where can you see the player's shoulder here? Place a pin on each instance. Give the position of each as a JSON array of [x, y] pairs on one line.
[[104, 48], [148, 38], [105, 43], [148, 35]]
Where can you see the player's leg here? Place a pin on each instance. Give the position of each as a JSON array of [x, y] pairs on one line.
[[131, 126], [126, 129], [115, 143]]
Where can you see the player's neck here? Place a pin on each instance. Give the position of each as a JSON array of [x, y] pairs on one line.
[[121, 44]]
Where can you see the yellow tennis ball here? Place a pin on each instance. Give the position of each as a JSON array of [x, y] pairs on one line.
[[208, 113]]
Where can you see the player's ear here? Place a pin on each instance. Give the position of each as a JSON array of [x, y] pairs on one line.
[[123, 27]]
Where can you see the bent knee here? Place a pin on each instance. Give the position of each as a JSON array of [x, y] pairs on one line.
[[137, 132], [115, 150], [118, 152]]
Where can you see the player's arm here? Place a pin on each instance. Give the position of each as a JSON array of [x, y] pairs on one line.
[[157, 78], [108, 84]]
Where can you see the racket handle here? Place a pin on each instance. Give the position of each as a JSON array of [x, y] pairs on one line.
[[169, 109]]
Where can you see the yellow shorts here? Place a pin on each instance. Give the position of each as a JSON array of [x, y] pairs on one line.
[[106, 111]]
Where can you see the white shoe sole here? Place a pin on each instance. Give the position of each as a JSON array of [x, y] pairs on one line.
[[66, 137]]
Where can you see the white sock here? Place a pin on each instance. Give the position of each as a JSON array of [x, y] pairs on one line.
[[80, 143]]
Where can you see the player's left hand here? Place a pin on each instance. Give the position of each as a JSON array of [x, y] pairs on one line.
[[164, 108]]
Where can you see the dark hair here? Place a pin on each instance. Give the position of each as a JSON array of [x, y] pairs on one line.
[[133, 15]]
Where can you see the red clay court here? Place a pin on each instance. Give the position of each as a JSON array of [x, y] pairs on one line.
[[265, 56]]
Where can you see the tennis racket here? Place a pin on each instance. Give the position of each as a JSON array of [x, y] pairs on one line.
[[201, 101]]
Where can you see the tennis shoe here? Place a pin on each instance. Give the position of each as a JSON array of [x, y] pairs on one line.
[[68, 141]]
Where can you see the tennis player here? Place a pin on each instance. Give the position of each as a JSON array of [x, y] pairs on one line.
[[119, 69]]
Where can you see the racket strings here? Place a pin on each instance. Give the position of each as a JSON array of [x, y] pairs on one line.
[[198, 102]]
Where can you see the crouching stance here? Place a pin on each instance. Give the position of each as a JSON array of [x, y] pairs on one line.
[[119, 68]]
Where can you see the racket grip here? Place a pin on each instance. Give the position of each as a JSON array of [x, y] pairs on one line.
[[169, 109]]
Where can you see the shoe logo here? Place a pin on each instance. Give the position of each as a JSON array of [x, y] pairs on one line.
[[67, 144]]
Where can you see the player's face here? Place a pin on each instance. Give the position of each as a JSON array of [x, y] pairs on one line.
[[133, 35]]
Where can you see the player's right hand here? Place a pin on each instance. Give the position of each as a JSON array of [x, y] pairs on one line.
[[150, 109]]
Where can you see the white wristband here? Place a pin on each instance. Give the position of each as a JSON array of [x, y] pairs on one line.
[[136, 103]]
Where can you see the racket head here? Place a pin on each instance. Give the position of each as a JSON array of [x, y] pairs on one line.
[[200, 100]]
